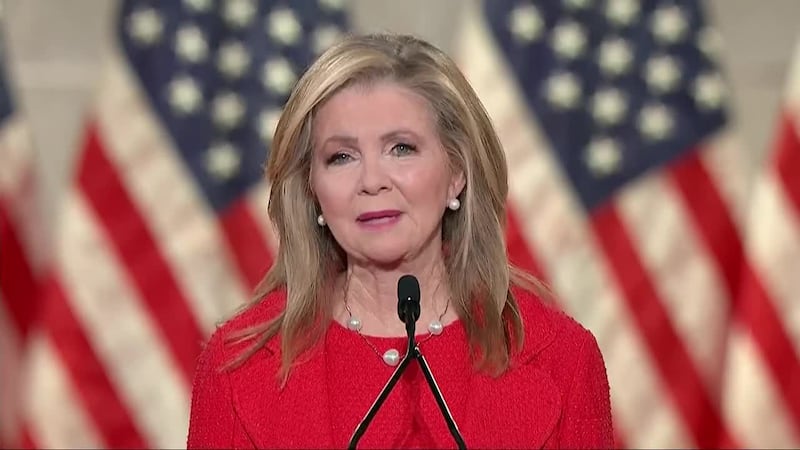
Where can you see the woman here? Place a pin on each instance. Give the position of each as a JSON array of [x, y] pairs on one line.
[[384, 163]]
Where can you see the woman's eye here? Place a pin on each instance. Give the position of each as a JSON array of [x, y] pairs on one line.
[[403, 149], [338, 158]]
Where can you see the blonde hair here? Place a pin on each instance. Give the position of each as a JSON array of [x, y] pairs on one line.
[[478, 273]]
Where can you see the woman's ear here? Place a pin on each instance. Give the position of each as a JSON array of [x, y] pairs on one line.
[[457, 183]]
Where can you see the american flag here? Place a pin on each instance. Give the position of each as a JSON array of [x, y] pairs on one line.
[[763, 388], [164, 231], [628, 196], [625, 195], [21, 249]]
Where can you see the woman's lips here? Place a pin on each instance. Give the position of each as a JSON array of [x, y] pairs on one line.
[[376, 215], [378, 219]]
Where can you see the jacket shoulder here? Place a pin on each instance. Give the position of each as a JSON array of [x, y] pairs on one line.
[[547, 325], [222, 344], [263, 310]]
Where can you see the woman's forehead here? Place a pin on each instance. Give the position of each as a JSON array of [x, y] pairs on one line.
[[379, 107]]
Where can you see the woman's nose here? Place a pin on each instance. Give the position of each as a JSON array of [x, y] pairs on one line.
[[374, 177]]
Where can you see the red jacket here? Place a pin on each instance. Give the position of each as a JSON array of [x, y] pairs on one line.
[[555, 394]]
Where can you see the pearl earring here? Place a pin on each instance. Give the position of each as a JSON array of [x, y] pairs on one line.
[[320, 220], [454, 204]]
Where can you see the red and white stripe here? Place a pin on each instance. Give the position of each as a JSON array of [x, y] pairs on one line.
[[169, 204], [9, 376], [21, 254], [769, 413], [50, 395], [145, 269], [556, 233], [657, 286], [752, 402]]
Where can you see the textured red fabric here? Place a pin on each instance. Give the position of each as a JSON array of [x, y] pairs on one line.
[[555, 395]]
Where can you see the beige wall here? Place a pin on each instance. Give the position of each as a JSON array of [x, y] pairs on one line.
[[56, 46]]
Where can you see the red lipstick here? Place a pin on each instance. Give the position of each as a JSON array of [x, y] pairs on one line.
[[372, 215]]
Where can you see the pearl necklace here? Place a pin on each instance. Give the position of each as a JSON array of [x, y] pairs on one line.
[[392, 356]]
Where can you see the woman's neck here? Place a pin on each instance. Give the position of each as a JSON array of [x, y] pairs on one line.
[[370, 293]]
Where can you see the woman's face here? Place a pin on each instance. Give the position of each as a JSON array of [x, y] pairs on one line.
[[380, 173]]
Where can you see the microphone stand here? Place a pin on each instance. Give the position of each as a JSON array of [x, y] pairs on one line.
[[411, 351]]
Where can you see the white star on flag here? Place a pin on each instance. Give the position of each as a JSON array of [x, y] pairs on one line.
[[609, 106], [227, 110], [146, 26], [223, 161], [655, 122], [526, 23], [198, 5], [239, 13], [662, 73], [283, 27], [278, 76], [709, 91], [569, 40], [563, 90], [184, 95], [669, 24], [267, 123], [603, 156], [323, 37], [233, 59], [190, 44], [622, 12], [615, 56]]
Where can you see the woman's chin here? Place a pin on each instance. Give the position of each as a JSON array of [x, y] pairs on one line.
[[384, 257]]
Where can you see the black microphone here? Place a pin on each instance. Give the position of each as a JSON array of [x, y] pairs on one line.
[[408, 310]]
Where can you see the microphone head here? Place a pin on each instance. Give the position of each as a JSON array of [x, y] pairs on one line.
[[408, 295]]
